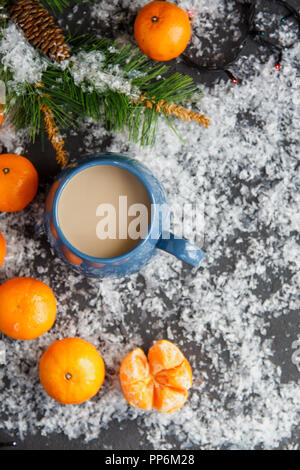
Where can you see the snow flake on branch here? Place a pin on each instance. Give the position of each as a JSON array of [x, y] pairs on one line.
[[88, 70], [20, 58]]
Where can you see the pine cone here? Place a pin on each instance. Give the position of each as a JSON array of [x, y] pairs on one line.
[[39, 28]]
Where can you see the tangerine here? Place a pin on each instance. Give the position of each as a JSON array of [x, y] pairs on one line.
[[71, 371], [2, 249], [162, 381], [18, 182], [162, 30], [27, 308]]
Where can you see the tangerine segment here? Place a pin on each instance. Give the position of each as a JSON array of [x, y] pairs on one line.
[[134, 367], [161, 381], [164, 355], [27, 308], [71, 370], [2, 249], [140, 394], [180, 377], [168, 400], [136, 382]]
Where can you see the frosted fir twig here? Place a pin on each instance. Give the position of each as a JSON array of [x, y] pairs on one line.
[[101, 80], [19, 59]]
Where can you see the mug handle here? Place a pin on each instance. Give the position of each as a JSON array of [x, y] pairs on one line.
[[182, 249]]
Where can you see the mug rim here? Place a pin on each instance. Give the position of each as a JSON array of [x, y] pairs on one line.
[[96, 161]]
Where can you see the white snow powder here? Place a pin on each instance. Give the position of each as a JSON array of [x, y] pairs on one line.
[[20, 57], [245, 168]]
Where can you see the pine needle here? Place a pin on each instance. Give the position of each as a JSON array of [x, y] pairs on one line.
[[58, 6], [66, 100]]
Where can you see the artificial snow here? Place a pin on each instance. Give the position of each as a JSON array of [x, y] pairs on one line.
[[87, 71], [2, 353], [20, 57], [244, 170]]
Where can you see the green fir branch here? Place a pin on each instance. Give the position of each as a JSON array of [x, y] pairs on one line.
[[70, 101], [3, 15], [57, 6]]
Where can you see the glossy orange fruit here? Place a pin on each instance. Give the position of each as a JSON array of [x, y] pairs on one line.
[[18, 182], [71, 371], [162, 381], [1, 118], [2, 249], [27, 308], [162, 30]]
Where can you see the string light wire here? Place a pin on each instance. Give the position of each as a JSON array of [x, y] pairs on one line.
[[249, 10]]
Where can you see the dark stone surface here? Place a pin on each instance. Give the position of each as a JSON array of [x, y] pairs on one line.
[[125, 435]]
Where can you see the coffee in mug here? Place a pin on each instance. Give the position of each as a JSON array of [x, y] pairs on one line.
[[108, 216], [98, 207]]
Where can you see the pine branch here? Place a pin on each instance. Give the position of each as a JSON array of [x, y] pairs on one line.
[[3, 15], [53, 6], [58, 6], [118, 86]]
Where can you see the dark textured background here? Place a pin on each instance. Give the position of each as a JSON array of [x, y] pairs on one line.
[[125, 435]]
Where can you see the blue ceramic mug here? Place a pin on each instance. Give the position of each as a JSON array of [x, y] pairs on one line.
[[133, 260]]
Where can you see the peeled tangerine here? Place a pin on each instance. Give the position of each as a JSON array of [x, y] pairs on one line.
[[160, 381]]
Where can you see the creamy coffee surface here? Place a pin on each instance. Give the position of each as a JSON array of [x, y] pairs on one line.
[[100, 209]]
